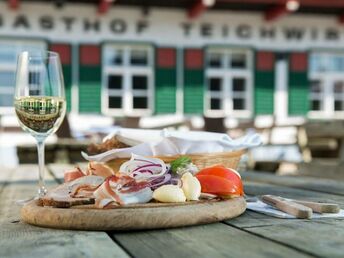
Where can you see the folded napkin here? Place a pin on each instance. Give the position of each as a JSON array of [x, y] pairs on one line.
[[261, 207], [168, 143]]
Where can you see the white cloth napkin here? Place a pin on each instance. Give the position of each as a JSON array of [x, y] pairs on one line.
[[168, 143], [266, 209]]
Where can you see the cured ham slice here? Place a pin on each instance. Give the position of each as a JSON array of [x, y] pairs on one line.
[[99, 169], [73, 174], [122, 190]]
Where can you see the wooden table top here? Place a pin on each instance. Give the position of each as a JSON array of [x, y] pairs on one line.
[[250, 235]]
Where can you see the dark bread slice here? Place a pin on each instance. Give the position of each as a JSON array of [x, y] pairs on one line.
[[60, 197], [66, 202]]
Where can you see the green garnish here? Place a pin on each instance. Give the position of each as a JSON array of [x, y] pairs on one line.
[[180, 163]]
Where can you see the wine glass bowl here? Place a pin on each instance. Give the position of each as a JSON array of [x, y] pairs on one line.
[[39, 99]]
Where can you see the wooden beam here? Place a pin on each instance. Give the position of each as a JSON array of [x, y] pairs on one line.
[[341, 18], [104, 6], [308, 3], [13, 4], [196, 9], [199, 7], [275, 12]]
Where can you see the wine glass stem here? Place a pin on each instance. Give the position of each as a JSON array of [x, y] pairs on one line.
[[40, 149]]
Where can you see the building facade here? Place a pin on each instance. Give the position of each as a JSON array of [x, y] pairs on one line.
[[130, 62]]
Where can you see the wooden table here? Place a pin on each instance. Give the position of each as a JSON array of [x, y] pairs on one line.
[[250, 235]]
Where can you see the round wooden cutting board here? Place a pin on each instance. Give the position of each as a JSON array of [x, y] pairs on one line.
[[144, 216]]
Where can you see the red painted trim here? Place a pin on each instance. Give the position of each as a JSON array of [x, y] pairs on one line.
[[341, 18], [104, 6], [196, 9], [90, 55], [64, 51], [166, 57], [311, 3], [193, 58], [13, 4], [275, 12], [298, 62], [265, 61]]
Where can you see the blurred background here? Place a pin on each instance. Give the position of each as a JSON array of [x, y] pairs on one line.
[[271, 66]]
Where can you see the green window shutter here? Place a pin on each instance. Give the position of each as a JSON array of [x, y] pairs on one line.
[[165, 81], [193, 81], [90, 79], [264, 82], [65, 53], [298, 103], [67, 74]]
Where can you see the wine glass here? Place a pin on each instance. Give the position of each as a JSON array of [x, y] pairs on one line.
[[39, 100]]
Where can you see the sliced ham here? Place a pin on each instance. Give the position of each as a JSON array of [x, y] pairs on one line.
[[73, 174], [99, 169], [122, 190]]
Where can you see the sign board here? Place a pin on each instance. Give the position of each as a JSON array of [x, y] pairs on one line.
[[77, 23]]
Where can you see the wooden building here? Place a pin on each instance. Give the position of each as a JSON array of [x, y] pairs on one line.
[[224, 58]]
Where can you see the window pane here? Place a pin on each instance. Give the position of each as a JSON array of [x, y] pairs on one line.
[[339, 87], [139, 57], [315, 105], [318, 63], [316, 87], [140, 102], [115, 102], [239, 84], [238, 104], [115, 82], [6, 100], [139, 82], [34, 78], [34, 92], [8, 54], [114, 56], [215, 104], [339, 105], [117, 58], [238, 60], [7, 78], [215, 84], [215, 60]]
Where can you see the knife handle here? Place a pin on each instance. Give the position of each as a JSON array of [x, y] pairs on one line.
[[320, 207], [292, 208]]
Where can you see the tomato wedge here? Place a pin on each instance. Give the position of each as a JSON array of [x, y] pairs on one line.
[[217, 185], [225, 173]]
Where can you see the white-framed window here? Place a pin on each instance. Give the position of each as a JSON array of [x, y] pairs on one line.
[[9, 50], [228, 82], [327, 85], [127, 80]]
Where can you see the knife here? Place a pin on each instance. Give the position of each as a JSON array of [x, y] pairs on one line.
[[290, 207], [319, 207]]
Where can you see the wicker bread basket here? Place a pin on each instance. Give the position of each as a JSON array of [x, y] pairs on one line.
[[227, 159]]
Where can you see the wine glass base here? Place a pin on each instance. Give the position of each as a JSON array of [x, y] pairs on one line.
[[42, 191]]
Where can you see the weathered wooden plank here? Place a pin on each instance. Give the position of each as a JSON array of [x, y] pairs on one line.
[[213, 240], [253, 188], [253, 219], [316, 237], [321, 238], [308, 183], [22, 184], [21, 240]]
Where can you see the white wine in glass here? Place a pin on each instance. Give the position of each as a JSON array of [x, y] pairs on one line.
[[39, 100]]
